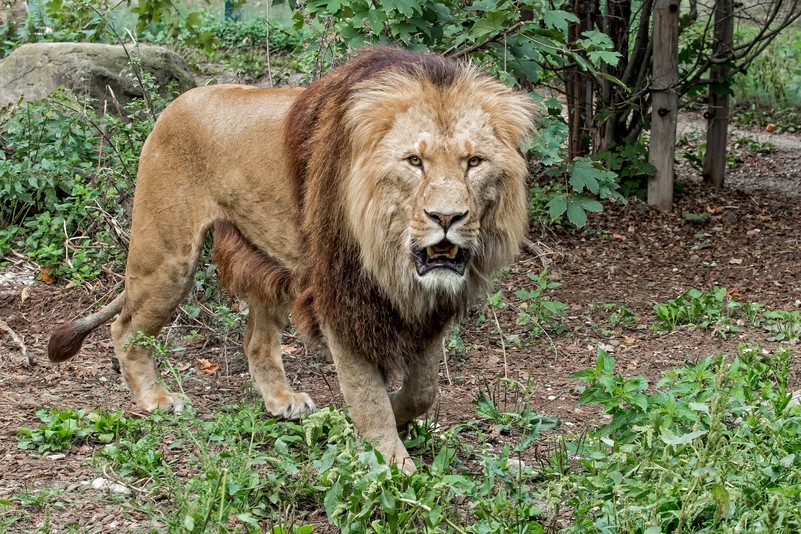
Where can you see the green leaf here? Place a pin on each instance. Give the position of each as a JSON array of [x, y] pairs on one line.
[[603, 56], [576, 214], [491, 24], [405, 7], [669, 438], [558, 19], [557, 206], [699, 407], [591, 205]]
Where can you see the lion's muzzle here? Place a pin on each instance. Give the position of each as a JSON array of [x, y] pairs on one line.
[[443, 255]]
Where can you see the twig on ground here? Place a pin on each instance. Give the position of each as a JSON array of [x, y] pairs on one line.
[[16, 339], [445, 359], [503, 342], [537, 249]]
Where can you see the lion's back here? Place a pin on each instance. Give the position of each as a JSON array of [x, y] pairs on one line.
[[218, 151]]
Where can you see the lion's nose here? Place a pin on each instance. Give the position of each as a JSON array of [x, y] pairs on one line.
[[446, 220]]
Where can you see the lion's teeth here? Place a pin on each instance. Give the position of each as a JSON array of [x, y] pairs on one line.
[[441, 251]]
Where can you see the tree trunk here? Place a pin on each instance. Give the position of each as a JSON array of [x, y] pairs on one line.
[[579, 87], [717, 113], [616, 24], [664, 108]]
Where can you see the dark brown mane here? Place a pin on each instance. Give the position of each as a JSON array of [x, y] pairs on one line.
[[247, 271]]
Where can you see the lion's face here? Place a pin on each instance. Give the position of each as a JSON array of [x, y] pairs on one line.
[[436, 197]]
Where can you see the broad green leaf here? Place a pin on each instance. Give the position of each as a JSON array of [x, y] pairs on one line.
[[576, 214], [558, 19], [557, 206], [669, 438], [699, 407], [491, 24], [405, 7], [591, 205]]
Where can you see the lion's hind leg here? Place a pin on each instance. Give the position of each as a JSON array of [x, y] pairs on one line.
[[158, 276], [251, 273]]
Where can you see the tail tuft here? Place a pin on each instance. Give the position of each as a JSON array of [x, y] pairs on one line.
[[66, 340]]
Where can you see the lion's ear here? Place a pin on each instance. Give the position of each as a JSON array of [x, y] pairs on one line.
[[516, 118], [514, 115]]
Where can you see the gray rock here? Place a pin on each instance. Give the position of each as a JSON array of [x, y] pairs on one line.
[[35, 70]]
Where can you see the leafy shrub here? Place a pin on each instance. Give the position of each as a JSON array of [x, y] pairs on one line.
[[722, 313], [66, 175], [715, 448], [629, 161], [537, 312]]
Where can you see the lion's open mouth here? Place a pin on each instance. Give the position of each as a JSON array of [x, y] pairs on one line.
[[443, 255]]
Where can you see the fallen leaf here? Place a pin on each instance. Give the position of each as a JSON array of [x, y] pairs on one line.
[[69, 285], [207, 366], [24, 295], [736, 261], [47, 278], [288, 349], [733, 293], [618, 236]]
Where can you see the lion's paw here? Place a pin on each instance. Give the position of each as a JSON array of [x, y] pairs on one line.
[[396, 453], [289, 404], [163, 400]]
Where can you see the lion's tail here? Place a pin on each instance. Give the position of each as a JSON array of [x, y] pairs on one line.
[[66, 340]]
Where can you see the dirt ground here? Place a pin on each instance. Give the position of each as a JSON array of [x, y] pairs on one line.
[[749, 243]]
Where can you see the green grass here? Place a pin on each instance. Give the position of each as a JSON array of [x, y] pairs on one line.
[[714, 446]]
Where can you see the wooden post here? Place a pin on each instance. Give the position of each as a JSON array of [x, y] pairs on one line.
[[664, 98], [717, 114]]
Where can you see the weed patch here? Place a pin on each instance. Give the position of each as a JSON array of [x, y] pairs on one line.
[[715, 448], [720, 312]]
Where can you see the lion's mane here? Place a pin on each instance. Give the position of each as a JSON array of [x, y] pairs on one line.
[[352, 279]]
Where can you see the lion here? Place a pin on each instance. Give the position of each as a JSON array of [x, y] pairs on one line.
[[375, 206]]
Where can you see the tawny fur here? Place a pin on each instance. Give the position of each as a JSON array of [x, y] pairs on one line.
[[313, 198]]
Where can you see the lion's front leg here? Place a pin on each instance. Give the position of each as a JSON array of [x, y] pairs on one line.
[[263, 349], [365, 391], [419, 389]]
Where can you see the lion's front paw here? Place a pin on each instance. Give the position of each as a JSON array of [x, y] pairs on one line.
[[395, 453], [289, 404], [161, 399]]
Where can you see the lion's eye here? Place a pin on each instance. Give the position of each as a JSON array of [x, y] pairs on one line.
[[474, 161], [415, 161]]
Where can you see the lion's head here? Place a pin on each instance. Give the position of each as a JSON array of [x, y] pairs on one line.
[[408, 170], [435, 193]]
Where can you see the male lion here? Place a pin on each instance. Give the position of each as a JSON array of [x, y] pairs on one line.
[[376, 204]]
